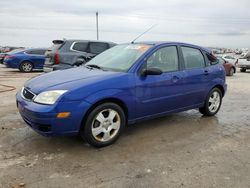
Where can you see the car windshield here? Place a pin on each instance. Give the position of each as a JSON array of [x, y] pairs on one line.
[[119, 58]]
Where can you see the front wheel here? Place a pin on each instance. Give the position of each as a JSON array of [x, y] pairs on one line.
[[104, 125], [212, 103]]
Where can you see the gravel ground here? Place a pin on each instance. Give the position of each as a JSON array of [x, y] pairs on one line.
[[179, 150]]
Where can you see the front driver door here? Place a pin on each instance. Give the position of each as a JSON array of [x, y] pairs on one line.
[[156, 94]]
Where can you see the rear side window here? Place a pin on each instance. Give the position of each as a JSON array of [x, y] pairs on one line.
[[193, 58], [80, 46], [97, 47]]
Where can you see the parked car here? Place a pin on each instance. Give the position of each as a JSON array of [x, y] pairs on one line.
[[230, 59], [64, 54], [2, 55], [26, 60], [244, 62], [125, 84], [229, 67]]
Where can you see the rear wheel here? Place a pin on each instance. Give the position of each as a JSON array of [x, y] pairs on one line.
[[212, 103], [243, 70], [104, 125], [26, 66]]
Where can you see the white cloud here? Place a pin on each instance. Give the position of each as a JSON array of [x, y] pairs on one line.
[[207, 23]]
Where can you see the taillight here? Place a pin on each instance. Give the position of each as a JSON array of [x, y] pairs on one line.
[[9, 56], [57, 58]]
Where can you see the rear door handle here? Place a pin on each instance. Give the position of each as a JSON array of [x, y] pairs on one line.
[[206, 72]]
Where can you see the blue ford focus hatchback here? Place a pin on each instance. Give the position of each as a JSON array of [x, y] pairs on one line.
[[123, 85]]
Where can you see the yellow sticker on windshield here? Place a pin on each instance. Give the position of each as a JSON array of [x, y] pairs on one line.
[[141, 48]]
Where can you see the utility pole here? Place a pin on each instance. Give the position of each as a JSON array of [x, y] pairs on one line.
[[97, 27]]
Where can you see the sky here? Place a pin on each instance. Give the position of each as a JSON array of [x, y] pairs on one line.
[[210, 23]]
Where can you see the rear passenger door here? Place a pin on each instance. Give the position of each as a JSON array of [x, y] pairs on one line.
[[196, 76]]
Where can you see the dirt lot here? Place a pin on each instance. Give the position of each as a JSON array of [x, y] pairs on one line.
[[180, 150]]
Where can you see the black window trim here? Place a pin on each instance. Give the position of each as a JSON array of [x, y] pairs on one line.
[[184, 65]]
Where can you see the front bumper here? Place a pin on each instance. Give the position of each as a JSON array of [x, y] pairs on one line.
[[43, 120]]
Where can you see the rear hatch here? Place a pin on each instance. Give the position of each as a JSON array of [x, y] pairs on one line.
[[52, 55]]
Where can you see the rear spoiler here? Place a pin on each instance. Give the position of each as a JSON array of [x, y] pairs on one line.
[[58, 41]]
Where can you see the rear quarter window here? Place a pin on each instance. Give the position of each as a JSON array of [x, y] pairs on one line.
[[193, 58], [212, 59]]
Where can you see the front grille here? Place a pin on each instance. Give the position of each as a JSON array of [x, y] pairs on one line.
[[27, 94]]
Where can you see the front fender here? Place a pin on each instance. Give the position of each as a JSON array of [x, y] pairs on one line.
[[125, 96]]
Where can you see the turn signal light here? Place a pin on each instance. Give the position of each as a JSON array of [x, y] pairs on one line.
[[63, 115]]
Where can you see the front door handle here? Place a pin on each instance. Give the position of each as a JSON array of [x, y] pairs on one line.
[[175, 79]]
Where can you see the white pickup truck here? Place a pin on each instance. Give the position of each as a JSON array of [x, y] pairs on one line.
[[244, 62]]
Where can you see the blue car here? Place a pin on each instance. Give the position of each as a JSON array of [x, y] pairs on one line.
[[123, 85], [25, 60]]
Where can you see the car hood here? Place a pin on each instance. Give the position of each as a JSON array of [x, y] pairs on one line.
[[67, 79]]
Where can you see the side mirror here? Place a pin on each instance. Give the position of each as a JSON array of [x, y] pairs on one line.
[[79, 62], [151, 71]]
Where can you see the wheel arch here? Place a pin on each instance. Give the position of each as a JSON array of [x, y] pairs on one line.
[[102, 101], [234, 69], [25, 60], [220, 87]]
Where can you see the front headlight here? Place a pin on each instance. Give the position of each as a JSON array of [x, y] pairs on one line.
[[49, 97]]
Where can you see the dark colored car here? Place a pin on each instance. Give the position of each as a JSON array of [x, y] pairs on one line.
[[229, 67], [64, 54], [25, 60], [125, 84]]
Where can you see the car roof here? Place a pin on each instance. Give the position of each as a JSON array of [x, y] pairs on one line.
[[157, 43], [77, 40], [35, 49]]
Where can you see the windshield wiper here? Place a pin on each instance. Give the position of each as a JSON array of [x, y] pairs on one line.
[[94, 66]]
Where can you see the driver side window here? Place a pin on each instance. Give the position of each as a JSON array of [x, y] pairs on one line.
[[165, 59]]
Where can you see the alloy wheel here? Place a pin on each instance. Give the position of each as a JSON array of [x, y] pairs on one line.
[[106, 125], [27, 67], [214, 101]]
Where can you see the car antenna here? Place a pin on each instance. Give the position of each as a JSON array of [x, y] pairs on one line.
[[143, 33]]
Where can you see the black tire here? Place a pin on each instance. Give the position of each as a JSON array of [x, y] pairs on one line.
[[231, 72], [205, 110], [91, 121], [243, 70], [26, 66]]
